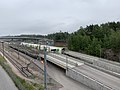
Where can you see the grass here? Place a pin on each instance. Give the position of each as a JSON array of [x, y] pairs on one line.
[[19, 82]]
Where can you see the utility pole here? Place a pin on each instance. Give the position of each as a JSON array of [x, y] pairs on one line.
[[39, 58], [18, 53], [100, 53], [39, 52], [45, 72], [3, 47], [66, 63]]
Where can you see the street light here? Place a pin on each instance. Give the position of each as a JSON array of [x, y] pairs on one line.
[[39, 58], [18, 53], [39, 48], [45, 72], [3, 47], [100, 51], [67, 58], [66, 62]]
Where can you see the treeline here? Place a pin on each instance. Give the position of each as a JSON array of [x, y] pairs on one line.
[[94, 39], [59, 36], [32, 35]]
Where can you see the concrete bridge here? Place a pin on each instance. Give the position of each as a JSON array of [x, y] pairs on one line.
[[83, 72]]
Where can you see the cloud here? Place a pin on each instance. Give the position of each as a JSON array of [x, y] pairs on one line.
[[48, 16]]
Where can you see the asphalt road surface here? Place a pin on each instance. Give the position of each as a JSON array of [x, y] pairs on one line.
[[5, 81], [59, 75], [102, 77]]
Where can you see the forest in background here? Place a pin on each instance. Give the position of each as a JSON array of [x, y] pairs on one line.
[[99, 40], [102, 40]]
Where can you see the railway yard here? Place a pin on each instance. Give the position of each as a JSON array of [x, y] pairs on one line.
[[87, 72], [32, 69], [59, 45], [27, 68]]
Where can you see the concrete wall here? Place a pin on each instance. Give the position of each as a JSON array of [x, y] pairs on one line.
[[100, 62], [107, 66], [104, 70], [92, 83]]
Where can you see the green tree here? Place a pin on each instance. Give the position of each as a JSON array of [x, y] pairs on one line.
[[115, 40]]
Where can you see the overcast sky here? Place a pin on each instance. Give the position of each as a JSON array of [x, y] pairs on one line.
[[49, 16]]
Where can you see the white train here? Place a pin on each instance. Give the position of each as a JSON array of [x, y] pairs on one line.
[[54, 49]]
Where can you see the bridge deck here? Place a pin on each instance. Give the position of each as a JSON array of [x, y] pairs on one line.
[[100, 76], [62, 61]]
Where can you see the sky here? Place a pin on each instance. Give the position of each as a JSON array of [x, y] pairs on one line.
[[50, 16]]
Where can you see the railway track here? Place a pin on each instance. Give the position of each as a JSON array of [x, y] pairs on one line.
[[37, 65], [22, 68], [27, 57]]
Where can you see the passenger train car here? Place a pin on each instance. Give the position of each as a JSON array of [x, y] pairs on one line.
[[54, 49]]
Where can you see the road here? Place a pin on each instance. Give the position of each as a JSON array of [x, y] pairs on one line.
[[5, 81], [83, 57], [100, 76], [59, 75], [89, 58]]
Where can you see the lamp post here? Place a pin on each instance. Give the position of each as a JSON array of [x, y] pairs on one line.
[[45, 72], [39, 58], [18, 52], [100, 51], [3, 48], [39, 48], [67, 59], [66, 63]]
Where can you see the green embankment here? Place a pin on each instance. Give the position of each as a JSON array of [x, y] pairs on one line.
[[19, 82]]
